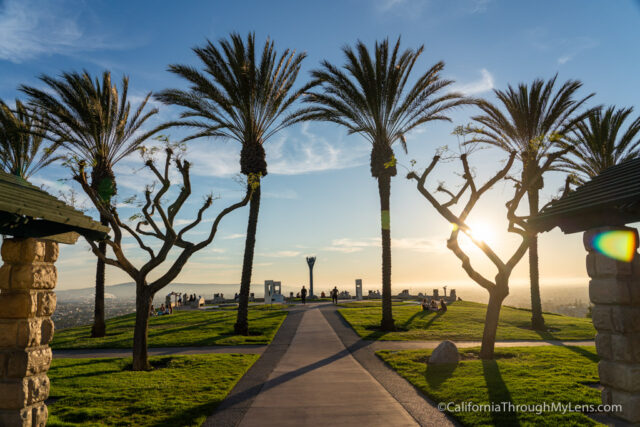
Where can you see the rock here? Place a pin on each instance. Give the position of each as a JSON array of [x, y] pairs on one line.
[[445, 352]]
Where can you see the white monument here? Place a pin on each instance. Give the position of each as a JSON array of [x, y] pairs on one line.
[[272, 292], [359, 289]]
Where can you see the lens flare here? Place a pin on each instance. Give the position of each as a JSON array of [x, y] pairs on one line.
[[618, 244]]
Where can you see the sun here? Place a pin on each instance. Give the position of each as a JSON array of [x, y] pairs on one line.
[[482, 231]]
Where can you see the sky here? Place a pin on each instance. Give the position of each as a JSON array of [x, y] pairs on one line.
[[319, 197]]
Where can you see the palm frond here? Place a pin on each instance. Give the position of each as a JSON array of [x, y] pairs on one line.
[[23, 151], [91, 117]]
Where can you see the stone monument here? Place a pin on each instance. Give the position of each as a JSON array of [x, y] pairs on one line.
[[311, 260], [272, 292], [359, 289]]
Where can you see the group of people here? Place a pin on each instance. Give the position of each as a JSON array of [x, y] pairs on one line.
[[186, 298], [303, 295], [433, 305], [164, 309]]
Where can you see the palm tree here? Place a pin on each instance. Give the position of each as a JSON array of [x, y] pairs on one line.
[[599, 142], [535, 120], [245, 99], [22, 151], [368, 96], [95, 123]]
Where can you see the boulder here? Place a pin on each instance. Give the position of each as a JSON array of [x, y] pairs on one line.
[[445, 352]]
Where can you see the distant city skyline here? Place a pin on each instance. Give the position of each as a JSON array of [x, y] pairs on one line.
[[319, 198]]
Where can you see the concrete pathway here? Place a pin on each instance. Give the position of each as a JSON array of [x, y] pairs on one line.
[[317, 382]]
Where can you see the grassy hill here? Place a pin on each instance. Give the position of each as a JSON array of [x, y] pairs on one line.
[[179, 391], [464, 321], [531, 376], [180, 329]]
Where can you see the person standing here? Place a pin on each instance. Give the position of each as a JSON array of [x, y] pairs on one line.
[[303, 295], [334, 295]]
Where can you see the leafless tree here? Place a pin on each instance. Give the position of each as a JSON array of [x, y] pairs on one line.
[[498, 288], [148, 227]]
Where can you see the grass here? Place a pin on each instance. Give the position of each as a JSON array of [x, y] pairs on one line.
[[520, 375], [181, 329], [374, 303], [180, 391], [464, 321]]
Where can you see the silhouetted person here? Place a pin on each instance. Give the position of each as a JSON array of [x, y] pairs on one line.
[[443, 306], [303, 295], [334, 295], [424, 305]]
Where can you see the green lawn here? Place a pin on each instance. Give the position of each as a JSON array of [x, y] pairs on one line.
[[371, 303], [181, 329], [180, 391], [464, 321], [520, 375]]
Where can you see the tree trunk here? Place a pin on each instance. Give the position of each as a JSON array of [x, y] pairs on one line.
[[98, 329], [384, 188], [496, 296], [242, 323], [140, 332], [537, 321]]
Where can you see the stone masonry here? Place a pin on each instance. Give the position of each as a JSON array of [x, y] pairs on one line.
[[27, 301], [614, 290]]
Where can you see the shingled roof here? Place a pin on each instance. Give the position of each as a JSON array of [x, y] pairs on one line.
[[611, 198], [28, 211]]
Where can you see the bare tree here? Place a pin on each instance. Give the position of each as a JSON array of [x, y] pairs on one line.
[[148, 227], [498, 288]]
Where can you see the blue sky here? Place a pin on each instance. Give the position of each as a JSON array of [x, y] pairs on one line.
[[319, 197]]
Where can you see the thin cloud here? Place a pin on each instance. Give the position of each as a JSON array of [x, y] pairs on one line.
[[566, 48], [416, 244], [411, 9], [32, 28], [234, 236], [280, 254], [575, 47], [478, 6], [291, 153], [347, 245], [484, 84]]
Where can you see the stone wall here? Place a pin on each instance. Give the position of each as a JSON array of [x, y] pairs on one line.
[[614, 290], [27, 300]]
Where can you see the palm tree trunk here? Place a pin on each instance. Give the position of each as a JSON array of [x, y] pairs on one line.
[[242, 323], [384, 188], [98, 329], [537, 321], [141, 329], [496, 296]]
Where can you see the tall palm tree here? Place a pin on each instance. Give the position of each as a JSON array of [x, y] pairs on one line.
[[599, 142], [534, 120], [22, 148], [369, 96], [92, 120], [246, 99]]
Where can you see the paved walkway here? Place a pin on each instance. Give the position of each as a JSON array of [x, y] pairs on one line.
[[318, 382]]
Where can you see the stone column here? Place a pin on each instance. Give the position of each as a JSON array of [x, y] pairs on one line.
[[27, 301], [614, 290]]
